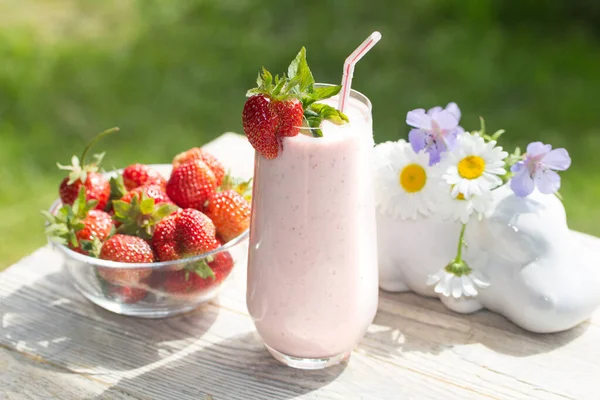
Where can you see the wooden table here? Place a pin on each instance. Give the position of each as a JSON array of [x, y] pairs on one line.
[[55, 344]]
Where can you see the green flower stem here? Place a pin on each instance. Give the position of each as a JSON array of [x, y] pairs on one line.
[[94, 140], [461, 242], [457, 266]]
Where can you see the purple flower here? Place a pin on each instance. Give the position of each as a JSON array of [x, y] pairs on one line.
[[435, 131], [537, 169]]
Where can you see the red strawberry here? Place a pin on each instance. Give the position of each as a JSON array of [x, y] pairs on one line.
[[137, 175], [126, 249], [81, 227], [290, 114], [221, 265], [191, 184], [184, 234], [197, 153], [97, 187], [185, 282], [230, 214], [155, 192], [260, 124]]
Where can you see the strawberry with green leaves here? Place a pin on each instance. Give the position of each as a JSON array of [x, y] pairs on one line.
[[197, 153], [279, 106], [185, 234], [80, 226], [138, 214], [97, 187], [187, 282]]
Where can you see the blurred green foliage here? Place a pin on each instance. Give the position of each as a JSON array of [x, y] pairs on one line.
[[172, 74]]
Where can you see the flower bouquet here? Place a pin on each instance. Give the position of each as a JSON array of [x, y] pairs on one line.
[[461, 219]]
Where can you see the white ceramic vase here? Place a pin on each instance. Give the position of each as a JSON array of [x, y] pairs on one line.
[[540, 276]]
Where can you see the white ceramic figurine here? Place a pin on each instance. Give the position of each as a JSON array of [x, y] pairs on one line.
[[460, 219]]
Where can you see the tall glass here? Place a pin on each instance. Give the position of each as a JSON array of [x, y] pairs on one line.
[[312, 268]]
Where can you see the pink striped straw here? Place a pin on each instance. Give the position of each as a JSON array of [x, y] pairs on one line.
[[349, 64]]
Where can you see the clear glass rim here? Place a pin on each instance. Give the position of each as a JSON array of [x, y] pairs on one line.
[[98, 262], [353, 93]]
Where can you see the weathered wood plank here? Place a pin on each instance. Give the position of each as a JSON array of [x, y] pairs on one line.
[[24, 377], [55, 344]]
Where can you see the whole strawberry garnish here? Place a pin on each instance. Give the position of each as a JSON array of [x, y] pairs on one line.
[[197, 153], [191, 184], [137, 175], [260, 124], [84, 175], [125, 249], [184, 234], [139, 212], [278, 107], [80, 226], [230, 213], [290, 114]]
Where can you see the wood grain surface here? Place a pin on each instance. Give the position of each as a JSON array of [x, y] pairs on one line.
[[54, 344]]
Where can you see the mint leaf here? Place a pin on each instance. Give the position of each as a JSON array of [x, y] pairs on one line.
[[329, 113], [315, 122], [299, 68], [325, 92]]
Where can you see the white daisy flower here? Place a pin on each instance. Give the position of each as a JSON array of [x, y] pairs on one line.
[[460, 208], [448, 284], [405, 184], [473, 166]]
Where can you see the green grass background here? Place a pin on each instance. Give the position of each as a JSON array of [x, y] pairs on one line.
[[172, 74]]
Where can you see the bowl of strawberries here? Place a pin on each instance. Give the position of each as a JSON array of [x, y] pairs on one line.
[[150, 240]]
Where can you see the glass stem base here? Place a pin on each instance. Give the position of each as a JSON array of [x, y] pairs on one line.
[[309, 363]]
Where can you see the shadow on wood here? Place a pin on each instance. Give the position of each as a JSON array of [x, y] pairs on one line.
[[49, 319], [408, 322], [237, 368]]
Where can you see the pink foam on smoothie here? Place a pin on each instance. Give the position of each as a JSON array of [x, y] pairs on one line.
[[312, 278]]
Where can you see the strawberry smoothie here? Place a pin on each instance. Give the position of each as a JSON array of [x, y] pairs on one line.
[[312, 274]]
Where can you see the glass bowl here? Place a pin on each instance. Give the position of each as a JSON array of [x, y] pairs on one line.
[[164, 288]]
